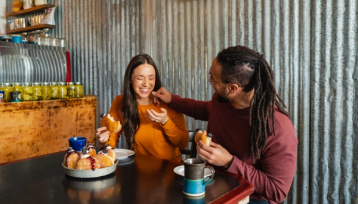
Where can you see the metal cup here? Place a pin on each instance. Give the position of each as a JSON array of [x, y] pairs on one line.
[[194, 184]]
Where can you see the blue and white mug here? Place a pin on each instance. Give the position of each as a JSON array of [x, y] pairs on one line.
[[194, 184]]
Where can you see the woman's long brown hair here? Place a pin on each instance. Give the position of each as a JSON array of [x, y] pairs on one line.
[[248, 69], [130, 108]]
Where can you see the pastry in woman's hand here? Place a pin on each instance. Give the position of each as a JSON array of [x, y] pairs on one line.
[[71, 158], [113, 126], [104, 159], [87, 162]]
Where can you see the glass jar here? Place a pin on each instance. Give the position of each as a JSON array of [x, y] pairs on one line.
[[7, 90], [46, 91], [79, 90], [70, 84], [37, 91], [17, 86], [54, 90], [62, 90], [27, 92], [72, 92]]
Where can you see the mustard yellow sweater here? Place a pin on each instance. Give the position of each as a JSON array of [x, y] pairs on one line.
[[162, 141]]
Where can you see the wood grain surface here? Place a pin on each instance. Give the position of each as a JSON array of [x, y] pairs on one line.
[[34, 128]]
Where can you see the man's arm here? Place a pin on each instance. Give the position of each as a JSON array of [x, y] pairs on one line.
[[278, 165], [190, 107]]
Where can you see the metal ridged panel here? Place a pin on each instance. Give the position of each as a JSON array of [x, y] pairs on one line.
[[31, 63], [311, 45]]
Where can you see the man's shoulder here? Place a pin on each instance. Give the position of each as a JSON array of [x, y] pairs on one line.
[[283, 125]]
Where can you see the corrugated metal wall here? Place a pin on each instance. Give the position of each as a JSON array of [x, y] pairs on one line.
[[311, 45]]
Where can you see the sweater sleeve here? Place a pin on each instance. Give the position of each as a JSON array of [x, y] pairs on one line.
[[278, 164], [190, 107], [175, 129]]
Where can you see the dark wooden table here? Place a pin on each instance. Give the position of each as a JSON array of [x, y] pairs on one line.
[[138, 179]]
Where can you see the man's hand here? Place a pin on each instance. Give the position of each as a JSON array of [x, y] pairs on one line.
[[162, 95], [215, 154]]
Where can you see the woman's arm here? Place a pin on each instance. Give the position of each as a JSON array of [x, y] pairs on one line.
[[116, 113], [175, 129]]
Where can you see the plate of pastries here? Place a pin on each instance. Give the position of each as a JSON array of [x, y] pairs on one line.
[[90, 164]]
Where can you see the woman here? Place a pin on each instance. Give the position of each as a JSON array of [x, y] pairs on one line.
[[149, 129]]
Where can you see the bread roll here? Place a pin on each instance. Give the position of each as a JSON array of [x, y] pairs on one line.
[[87, 162], [112, 125], [111, 153], [104, 159], [71, 158], [91, 150]]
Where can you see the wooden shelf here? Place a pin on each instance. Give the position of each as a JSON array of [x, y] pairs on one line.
[[31, 10], [30, 28]]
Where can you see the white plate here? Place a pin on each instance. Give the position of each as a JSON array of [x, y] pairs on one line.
[[180, 171], [123, 153]]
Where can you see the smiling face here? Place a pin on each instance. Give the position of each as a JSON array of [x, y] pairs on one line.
[[143, 82]]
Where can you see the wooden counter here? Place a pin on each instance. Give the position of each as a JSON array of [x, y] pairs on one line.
[[34, 128]]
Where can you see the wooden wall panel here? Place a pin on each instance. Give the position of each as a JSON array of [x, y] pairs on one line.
[[34, 128]]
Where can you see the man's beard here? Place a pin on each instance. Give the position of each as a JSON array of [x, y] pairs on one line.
[[221, 99]]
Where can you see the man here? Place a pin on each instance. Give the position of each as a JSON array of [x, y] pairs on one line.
[[252, 133]]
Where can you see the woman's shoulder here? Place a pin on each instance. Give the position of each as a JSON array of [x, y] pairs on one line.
[[117, 102], [118, 98]]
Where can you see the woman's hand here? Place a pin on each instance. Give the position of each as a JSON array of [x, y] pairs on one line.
[[102, 134], [161, 118]]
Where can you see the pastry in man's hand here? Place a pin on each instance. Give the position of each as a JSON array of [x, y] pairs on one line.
[[87, 162], [71, 158], [104, 159], [198, 136], [111, 152], [112, 125], [91, 150], [204, 137]]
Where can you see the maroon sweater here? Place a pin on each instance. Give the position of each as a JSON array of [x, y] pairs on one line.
[[272, 175]]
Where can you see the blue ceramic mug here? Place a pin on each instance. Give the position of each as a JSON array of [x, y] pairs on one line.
[[16, 39], [77, 143], [194, 184]]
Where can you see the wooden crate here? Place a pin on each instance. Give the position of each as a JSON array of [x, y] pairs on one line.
[[34, 128]]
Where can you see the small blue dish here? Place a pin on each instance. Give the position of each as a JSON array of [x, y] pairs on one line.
[[77, 143]]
